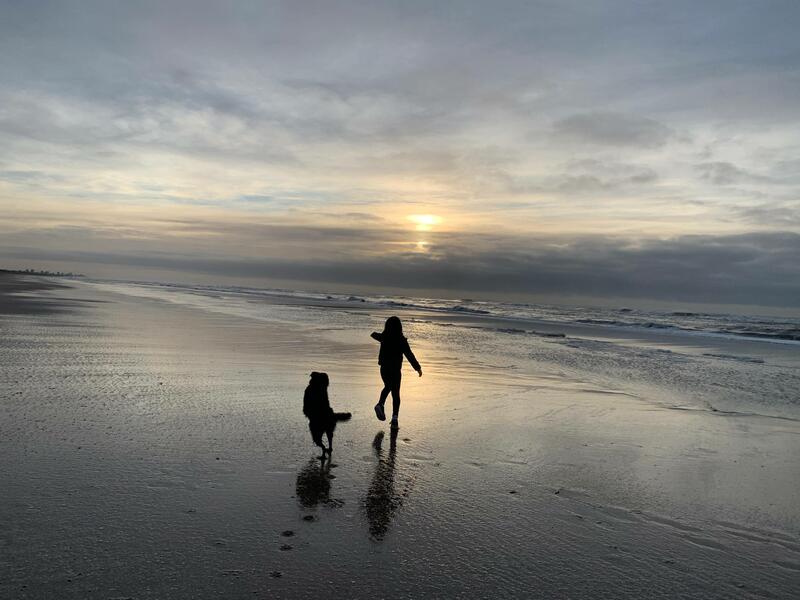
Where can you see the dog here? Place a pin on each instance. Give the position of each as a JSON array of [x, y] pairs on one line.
[[321, 418]]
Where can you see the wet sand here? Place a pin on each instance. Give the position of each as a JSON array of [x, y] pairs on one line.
[[152, 450], [19, 294]]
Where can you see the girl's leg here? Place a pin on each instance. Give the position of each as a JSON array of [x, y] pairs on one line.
[[386, 376], [379, 412], [395, 389], [384, 393]]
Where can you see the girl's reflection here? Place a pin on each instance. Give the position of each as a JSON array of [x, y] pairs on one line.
[[381, 500]]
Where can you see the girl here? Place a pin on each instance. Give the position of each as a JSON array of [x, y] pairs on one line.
[[390, 358]]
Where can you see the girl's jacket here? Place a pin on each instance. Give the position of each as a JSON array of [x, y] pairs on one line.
[[393, 350]]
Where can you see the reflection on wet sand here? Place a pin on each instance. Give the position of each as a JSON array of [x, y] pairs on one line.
[[314, 483], [382, 500]]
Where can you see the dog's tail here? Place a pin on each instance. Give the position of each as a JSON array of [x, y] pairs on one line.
[[342, 416]]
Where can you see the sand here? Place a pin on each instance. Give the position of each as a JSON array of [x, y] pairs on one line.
[[19, 295], [154, 450]]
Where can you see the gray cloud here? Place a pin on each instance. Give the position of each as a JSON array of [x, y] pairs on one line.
[[725, 173], [613, 129], [787, 214], [582, 177], [755, 268], [29, 177], [593, 176]]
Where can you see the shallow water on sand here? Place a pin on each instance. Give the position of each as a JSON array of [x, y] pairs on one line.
[[156, 449], [673, 367]]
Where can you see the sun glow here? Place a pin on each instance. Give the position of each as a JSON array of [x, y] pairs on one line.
[[425, 222]]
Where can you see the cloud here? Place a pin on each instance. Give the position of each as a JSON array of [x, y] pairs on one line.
[[256, 198], [754, 268], [594, 176], [32, 178], [725, 173], [582, 177], [613, 129], [786, 214]]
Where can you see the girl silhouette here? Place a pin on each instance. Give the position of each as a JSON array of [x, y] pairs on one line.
[[390, 358]]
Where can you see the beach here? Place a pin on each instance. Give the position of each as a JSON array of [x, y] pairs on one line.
[[154, 446]]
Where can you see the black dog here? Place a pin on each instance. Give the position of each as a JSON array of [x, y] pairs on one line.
[[321, 418]]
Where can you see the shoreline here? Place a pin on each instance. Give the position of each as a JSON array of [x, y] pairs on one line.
[[765, 361], [542, 327]]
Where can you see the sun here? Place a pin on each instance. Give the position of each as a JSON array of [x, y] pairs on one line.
[[425, 222]]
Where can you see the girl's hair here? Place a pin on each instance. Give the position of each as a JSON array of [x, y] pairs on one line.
[[393, 328]]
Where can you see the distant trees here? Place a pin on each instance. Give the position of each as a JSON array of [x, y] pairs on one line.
[[41, 273]]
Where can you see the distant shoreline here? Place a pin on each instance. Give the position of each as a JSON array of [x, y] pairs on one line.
[[40, 273]]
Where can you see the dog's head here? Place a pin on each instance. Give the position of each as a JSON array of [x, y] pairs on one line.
[[319, 380]]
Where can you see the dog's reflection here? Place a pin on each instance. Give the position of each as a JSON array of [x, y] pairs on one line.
[[314, 483], [382, 500]]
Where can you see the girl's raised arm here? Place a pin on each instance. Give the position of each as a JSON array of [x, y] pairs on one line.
[[376, 336]]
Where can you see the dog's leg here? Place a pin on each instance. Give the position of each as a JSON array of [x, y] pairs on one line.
[[316, 436], [322, 447]]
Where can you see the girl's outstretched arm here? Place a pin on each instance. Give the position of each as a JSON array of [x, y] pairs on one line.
[[411, 358], [376, 336]]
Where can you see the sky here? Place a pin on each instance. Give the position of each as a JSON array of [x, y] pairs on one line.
[[542, 149]]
